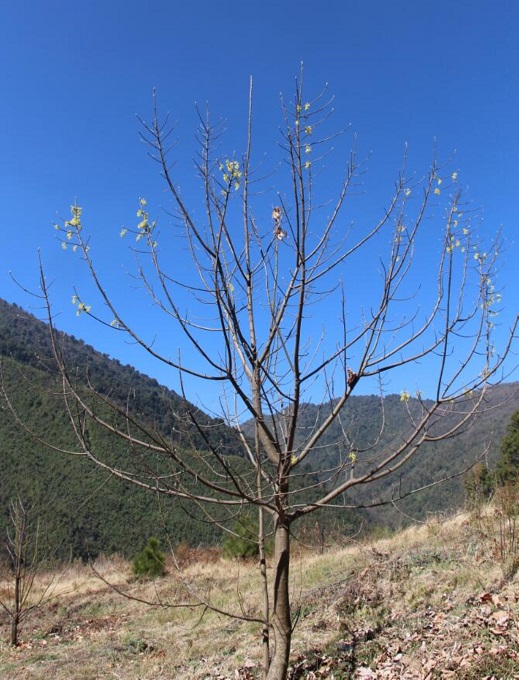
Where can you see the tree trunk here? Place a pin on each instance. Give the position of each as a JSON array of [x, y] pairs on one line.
[[265, 633], [18, 576], [15, 622], [281, 619]]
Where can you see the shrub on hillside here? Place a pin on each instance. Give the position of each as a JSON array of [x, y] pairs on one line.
[[242, 543], [479, 486], [150, 562]]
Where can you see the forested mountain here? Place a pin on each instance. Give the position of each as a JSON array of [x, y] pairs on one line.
[[26, 340], [84, 510], [362, 422]]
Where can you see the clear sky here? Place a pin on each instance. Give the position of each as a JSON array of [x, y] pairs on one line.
[[74, 76]]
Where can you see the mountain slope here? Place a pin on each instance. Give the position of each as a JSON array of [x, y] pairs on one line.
[[87, 511], [26, 340], [433, 461], [84, 509]]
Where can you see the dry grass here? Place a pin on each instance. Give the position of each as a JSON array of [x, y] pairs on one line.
[[431, 602]]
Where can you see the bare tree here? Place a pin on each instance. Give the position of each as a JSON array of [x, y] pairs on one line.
[[20, 594], [244, 315]]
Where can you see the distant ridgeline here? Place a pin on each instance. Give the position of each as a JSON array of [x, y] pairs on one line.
[[85, 511]]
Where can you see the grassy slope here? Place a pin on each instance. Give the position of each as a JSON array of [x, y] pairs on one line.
[[432, 601]]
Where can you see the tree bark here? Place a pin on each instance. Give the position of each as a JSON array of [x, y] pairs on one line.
[[15, 622], [281, 619], [19, 519]]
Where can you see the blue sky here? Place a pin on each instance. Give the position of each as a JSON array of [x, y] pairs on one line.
[[74, 76]]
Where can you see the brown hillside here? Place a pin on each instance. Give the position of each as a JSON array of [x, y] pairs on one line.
[[435, 601]]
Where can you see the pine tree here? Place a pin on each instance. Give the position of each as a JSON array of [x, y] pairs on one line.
[[150, 562]]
